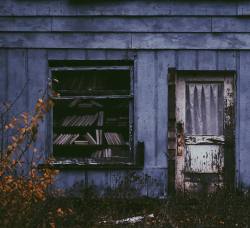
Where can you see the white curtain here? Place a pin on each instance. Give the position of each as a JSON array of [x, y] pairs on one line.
[[204, 109]]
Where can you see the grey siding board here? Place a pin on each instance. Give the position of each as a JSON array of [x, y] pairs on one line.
[[243, 8], [62, 40], [207, 60], [187, 60], [132, 24], [3, 77], [125, 24], [85, 54], [149, 182], [117, 54], [68, 178], [191, 41], [18, 85], [203, 8], [3, 93], [145, 104], [165, 60], [231, 24], [64, 7], [187, 35], [226, 60], [96, 55], [57, 54], [38, 74], [154, 182], [123, 41], [76, 54], [17, 81], [244, 112], [25, 24], [99, 178], [116, 177]]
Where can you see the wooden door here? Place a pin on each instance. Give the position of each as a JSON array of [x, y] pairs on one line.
[[204, 117]]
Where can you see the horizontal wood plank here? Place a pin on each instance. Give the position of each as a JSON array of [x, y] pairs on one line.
[[137, 7], [62, 40], [243, 8], [227, 60], [132, 24], [125, 24], [24, 24], [172, 41], [231, 24], [191, 41]]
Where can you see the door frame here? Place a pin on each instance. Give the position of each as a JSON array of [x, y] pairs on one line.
[[229, 127]]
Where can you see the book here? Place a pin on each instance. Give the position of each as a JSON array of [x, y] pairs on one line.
[[100, 118], [114, 138], [64, 139], [77, 121], [73, 139], [98, 137], [81, 142], [104, 153], [90, 138]]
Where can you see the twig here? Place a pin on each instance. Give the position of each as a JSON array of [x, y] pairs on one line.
[[16, 99]]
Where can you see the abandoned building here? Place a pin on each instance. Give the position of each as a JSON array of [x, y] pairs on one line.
[[156, 89]]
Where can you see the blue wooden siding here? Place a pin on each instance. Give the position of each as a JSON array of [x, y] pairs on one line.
[[157, 35]]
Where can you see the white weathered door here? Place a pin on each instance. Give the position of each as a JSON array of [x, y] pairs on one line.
[[204, 105]]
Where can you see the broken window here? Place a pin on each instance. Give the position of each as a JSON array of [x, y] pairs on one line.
[[93, 116]]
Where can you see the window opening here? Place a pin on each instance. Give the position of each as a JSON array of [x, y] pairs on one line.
[[93, 116]]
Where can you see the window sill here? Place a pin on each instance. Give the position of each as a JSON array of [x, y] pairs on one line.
[[74, 164]]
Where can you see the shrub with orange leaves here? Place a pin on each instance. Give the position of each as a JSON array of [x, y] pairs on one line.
[[23, 186]]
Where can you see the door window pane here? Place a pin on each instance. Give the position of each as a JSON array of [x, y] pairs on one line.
[[204, 108]]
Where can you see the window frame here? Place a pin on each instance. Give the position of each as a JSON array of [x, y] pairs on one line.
[[129, 66]]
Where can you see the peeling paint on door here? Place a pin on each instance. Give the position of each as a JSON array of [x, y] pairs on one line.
[[203, 158], [204, 117]]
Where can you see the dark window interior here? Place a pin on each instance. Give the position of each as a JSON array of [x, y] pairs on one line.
[[92, 117], [93, 82]]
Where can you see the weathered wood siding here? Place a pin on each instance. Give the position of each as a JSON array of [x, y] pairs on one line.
[[157, 35]]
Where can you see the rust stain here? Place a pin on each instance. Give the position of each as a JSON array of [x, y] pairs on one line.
[[180, 139]]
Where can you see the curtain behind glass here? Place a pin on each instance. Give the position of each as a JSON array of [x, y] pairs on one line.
[[204, 108]]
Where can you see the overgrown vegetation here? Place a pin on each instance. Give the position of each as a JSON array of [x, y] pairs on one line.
[[27, 198], [220, 209], [23, 187]]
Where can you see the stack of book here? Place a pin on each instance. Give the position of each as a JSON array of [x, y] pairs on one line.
[[64, 139], [114, 138], [105, 153], [84, 120], [92, 140]]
